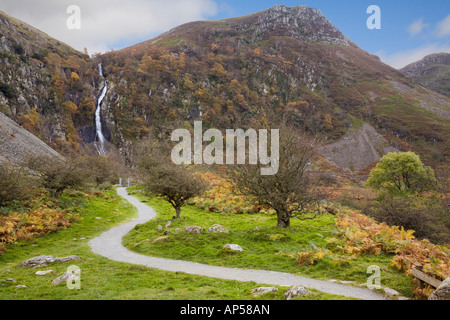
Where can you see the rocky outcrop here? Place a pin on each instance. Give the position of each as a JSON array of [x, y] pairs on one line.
[[194, 229], [296, 291], [299, 22], [218, 228], [43, 260]]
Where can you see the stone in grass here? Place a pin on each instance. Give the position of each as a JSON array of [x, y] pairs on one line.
[[296, 291], [232, 248], [43, 260], [390, 293], [69, 275], [194, 229], [263, 290], [218, 228], [43, 273]]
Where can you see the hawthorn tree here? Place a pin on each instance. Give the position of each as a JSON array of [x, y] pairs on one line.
[[291, 192], [160, 177]]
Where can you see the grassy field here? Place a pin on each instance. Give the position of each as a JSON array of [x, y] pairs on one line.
[[265, 246], [102, 279]]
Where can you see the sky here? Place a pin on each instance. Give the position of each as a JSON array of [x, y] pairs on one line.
[[409, 30]]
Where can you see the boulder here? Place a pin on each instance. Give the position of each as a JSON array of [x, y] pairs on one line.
[[194, 229], [296, 291], [443, 292], [263, 290], [233, 248], [218, 228]]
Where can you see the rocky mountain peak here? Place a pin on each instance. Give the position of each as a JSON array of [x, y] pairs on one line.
[[420, 67], [300, 22]]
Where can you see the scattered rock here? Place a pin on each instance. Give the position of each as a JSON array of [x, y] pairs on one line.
[[263, 290], [194, 229], [21, 286], [98, 218], [69, 275], [390, 293], [168, 224], [166, 232], [218, 228], [402, 298], [43, 273], [443, 292], [11, 280], [159, 227], [233, 248], [296, 291], [41, 261]]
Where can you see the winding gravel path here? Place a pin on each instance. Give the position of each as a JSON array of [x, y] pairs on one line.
[[109, 245]]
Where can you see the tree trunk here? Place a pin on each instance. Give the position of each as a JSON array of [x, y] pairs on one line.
[[178, 211], [284, 220]]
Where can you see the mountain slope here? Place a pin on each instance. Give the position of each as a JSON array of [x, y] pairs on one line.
[[17, 143], [433, 71], [289, 61], [45, 85]]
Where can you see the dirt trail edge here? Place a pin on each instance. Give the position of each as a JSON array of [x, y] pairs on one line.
[[109, 245]]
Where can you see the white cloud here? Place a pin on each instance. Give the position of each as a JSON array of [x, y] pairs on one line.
[[401, 59], [417, 27], [107, 23], [443, 27]]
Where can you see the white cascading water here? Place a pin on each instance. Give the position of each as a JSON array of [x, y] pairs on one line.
[[98, 119]]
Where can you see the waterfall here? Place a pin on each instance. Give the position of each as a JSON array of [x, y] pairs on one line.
[[98, 119]]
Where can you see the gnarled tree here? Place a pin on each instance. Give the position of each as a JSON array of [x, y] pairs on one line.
[[291, 192], [162, 178]]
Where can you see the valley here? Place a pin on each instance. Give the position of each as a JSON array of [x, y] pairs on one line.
[[357, 161]]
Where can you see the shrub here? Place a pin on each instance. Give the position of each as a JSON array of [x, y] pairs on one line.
[[57, 174], [428, 216], [15, 184]]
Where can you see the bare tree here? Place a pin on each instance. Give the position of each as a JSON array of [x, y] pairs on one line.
[[291, 192], [160, 177]]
